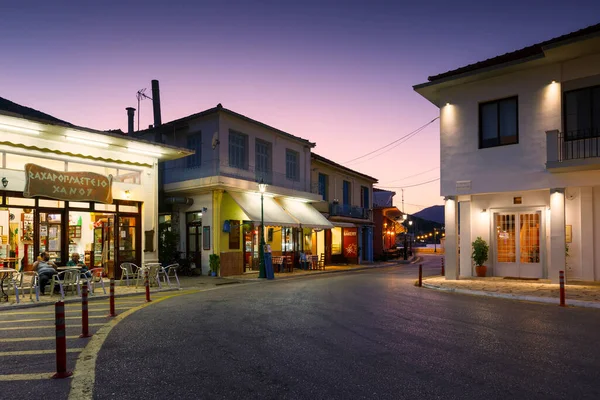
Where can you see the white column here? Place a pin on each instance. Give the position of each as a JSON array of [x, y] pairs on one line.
[[557, 234], [465, 263], [451, 245], [586, 255]]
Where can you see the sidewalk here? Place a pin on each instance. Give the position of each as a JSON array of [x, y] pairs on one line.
[[329, 269], [192, 282], [580, 294]]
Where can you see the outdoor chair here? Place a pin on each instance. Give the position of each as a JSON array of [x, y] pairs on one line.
[[10, 280], [97, 278], [129, 271], [171, 272], [66, 280], [31, 280], [321, 263], [153, 278]]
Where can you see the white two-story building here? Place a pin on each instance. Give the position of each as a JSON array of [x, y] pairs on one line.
[[212, 198], [520, 159]]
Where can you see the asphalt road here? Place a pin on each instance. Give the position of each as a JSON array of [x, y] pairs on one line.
[[361, 335]]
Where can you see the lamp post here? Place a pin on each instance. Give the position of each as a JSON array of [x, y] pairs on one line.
[[411, 238], [261, 250], [434, 240]]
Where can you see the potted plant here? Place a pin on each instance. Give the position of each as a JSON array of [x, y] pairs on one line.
[[480, 255], [214, 263]]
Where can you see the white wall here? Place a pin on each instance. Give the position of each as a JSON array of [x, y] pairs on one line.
[[200, 201], [512, 167]]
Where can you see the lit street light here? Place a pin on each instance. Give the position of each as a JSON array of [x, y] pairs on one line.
[[261, 250]]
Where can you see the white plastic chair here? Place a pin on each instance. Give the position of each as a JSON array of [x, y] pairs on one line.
[[129, 271], [30, 280], [153, 272], [171, 272], [66, 280], [97, 278]]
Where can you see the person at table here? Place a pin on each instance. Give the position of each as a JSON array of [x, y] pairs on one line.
[[74, 262], [45, 269]]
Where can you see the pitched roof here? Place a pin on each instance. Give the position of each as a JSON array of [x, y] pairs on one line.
[[327, 161], [28, 112], [524, 53], [220, 108]]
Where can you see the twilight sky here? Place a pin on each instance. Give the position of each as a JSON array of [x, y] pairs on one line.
[[339, 73]]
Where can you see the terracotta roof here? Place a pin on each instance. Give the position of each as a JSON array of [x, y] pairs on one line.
[[327, 161], [526, 52]]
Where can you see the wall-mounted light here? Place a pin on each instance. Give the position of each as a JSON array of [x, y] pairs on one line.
[[447, 104], [483, 210], [127, 194], [4, 182], [204, 209]]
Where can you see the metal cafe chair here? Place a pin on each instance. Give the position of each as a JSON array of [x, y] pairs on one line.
[[171, 272], [129, 271], [97, 278]]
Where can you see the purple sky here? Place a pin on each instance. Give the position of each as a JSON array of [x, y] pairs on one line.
[[338, 75]]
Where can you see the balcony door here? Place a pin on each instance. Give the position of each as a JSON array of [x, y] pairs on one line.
[[517, 243]]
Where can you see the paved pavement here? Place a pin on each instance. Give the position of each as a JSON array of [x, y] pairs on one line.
[[365, 334], [27, 343], [583, 294]]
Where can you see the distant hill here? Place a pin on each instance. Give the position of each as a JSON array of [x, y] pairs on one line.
[[433, 213]]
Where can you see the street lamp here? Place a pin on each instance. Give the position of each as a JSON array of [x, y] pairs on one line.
[[411, 237], [261, 250], [434, 240]]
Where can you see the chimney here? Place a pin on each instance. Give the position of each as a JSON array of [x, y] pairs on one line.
[[130, 115], [156, 103]]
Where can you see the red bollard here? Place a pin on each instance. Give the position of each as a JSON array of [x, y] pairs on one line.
[[61, 342], [84, 312], [147, 283], [443, 269], [420, 275], [561, 275], [111, 299]]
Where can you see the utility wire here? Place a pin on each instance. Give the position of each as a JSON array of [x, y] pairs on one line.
[[414, 185], [395, 141], [412, 176]]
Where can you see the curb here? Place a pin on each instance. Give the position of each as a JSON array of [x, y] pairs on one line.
[[283, 278], [536, 299], [78, 299]]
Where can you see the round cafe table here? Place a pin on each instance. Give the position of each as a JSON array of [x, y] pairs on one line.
[[66, 268], [5, 273]]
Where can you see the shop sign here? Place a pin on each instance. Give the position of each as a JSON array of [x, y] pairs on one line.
[[350, 243], [68, 186]]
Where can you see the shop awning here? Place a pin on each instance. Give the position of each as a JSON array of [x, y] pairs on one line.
[[274, 215], [306, 215], [343, 224]]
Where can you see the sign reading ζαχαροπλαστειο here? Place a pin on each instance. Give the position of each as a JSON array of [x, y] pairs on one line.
[[69, 186]]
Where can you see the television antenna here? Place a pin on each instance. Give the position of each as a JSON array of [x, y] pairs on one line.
[[141, 95]]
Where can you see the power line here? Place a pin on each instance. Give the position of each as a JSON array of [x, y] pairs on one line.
[[412, 176], [408, 186], [395, 141]]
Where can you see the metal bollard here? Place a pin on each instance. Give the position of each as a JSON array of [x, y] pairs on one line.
[[420, 275], [561, 275], [111, 299], [84, 312], [61, 342], [443, 269], [147, 283]]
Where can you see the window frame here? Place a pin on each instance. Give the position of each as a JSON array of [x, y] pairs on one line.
[[194, 160], [244, 150], [269, 155], [497, 102], [591, 106], [349, 192], [364, 195], [325, 186], [296, 169]]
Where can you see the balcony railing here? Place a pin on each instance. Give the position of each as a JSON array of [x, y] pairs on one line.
[[573, 150], [346, 210]]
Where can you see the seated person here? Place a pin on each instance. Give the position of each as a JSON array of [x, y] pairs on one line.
[[45, 269], [74, 262]]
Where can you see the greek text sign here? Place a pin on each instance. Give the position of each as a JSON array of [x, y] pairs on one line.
[[69, 186]]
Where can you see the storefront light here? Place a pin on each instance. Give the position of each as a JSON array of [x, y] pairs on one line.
[[144, 152], [86, 141], [19, 129]]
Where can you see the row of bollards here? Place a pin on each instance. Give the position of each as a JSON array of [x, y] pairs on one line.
[[61, 331], [561, 280]]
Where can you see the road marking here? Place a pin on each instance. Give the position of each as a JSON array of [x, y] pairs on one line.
[[16, 328], [82, 386], [48, 319], [26, 377], [32, 339], [35, 352], [96, 309]]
